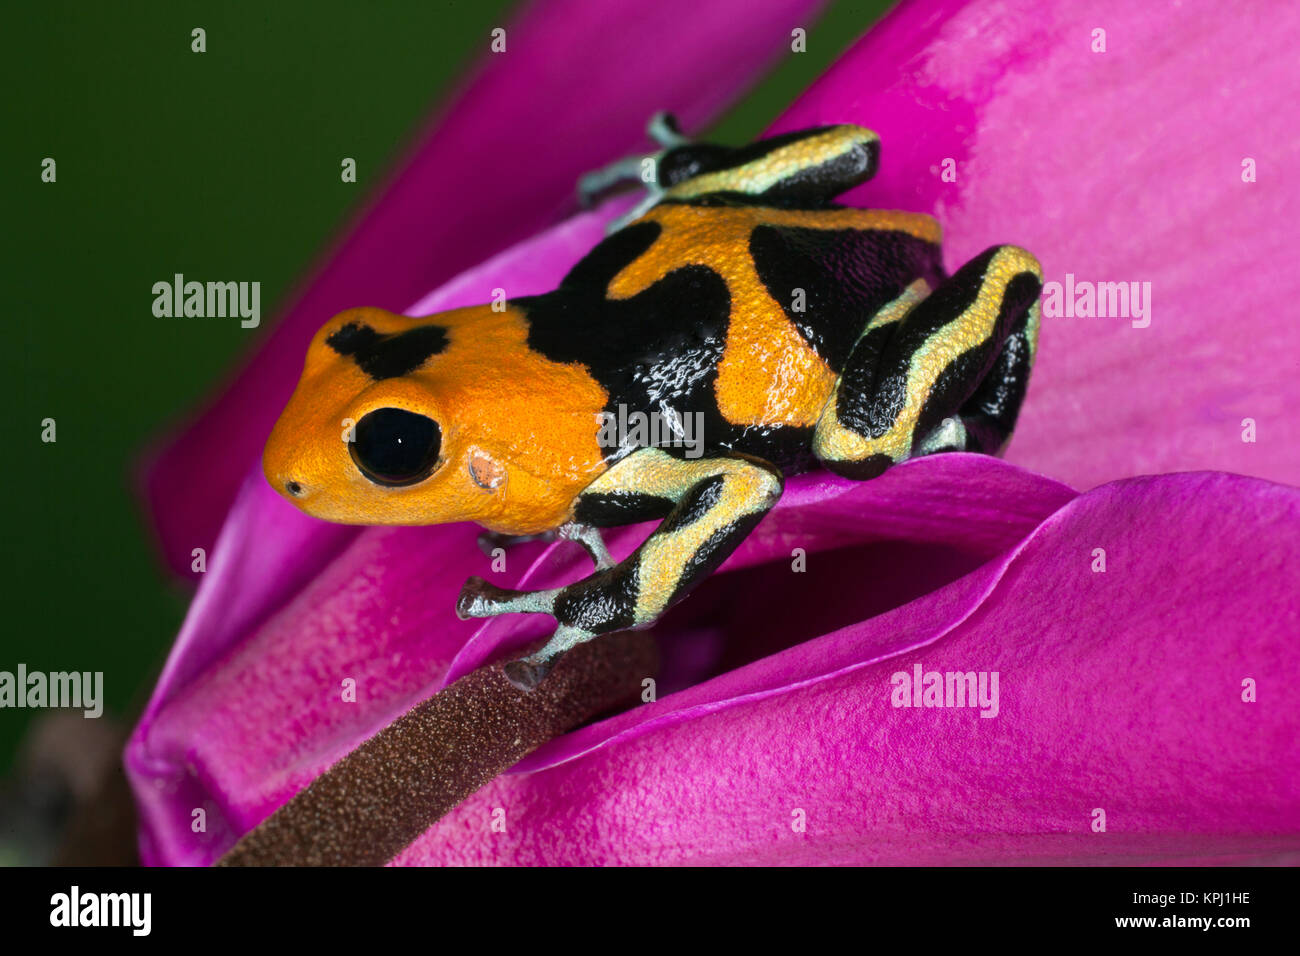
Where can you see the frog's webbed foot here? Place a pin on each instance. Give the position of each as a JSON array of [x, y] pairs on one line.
[[664, 130], [708, 507], [478, 598], [596, 183]]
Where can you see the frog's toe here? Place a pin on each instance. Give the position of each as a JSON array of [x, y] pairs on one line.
[[475, 598], [594, 184], [478, 598], [950, 435], [665, 130], [527, 672]]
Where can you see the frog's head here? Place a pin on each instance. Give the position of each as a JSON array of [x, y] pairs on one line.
[[401, 420]]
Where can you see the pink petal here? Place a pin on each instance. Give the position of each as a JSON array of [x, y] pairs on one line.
[[498, 166], [1116, 166], [260, 721], [1119, 690], [264, 718]]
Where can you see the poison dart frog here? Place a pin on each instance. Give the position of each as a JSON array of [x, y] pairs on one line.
[[795, 331]]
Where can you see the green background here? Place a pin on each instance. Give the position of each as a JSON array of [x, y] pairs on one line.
[[220, 164]]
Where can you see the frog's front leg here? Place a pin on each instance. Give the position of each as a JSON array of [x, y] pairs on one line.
[[710, 506], [937, 371], [590, 538]]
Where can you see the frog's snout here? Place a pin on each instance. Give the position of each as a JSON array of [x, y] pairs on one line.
[[284, 471]]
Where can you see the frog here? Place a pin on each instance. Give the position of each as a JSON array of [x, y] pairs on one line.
[[796, 332]]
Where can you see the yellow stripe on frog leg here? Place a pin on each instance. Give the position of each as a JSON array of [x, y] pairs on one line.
[[804, 168], [719, 502], [1031, 328], [825, 162], [833, 440], [901, 382], [987, 419], [896, 310]]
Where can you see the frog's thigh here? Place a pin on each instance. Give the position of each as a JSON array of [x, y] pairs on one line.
[[936, 372], [715, 503], [987, 419]]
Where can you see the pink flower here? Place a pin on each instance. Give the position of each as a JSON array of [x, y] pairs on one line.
[[1142, 633]]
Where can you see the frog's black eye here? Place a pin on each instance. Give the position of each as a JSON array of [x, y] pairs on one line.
[[396, 447]]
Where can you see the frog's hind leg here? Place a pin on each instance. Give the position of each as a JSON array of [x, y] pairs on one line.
[[665, 132], [800, 169], [708, 506], [937, 371], [985, 421]]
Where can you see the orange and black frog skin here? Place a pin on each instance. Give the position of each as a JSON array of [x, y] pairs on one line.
[[771, 329]]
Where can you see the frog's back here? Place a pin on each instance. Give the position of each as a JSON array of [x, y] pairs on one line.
[[738, 315]]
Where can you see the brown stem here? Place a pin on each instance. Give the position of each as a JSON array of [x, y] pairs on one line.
[[371, 804]]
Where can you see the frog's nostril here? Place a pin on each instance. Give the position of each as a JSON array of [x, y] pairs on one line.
[[293, 488]]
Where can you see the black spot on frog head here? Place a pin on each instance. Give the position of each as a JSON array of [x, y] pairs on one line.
[[388, 356]]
